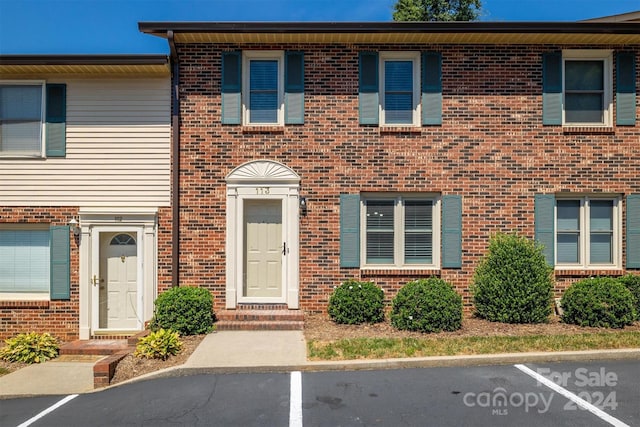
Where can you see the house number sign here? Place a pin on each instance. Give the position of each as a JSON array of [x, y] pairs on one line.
[[262, 190]]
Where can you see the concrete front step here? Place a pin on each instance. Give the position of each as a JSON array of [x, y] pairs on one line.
[[263, 318]]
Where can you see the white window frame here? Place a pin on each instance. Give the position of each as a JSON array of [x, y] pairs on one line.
[[585, 233], [400, 56], [27, 296], [42, 84], [247, 56], [398, 230], [606, 56]]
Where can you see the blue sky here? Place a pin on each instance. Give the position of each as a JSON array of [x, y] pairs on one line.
[[111, 26]]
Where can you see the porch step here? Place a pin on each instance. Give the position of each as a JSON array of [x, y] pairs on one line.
[[247, 320], [104, 344], [102, 347]]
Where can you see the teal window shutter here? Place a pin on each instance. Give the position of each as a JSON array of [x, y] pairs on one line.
[[451, 231], [294, 88], [56, 117], [60, 276], [231, 88], [633, 231], [349, 230], [625, 89], [368, 88], [552, 88], [431, 88], [544, 224]]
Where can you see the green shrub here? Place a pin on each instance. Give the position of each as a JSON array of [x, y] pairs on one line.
[[159, 345], [599, 302], [30, 348], [187, 310], [427, 305], [513, 283], [632, 282], [356, 302]]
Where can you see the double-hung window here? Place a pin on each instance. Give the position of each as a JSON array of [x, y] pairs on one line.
[[21, 119], [400, 231], [263, 100], [587, 87], [32, 119], [577, 88], [587, 232], [400, 88]]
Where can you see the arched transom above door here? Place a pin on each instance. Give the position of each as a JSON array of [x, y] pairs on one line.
[[261, 171]]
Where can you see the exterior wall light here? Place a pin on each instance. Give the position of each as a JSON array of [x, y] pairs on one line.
[[303, 206], [75, 226]]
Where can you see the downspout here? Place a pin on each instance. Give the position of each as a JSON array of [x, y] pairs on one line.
[[175, 164]]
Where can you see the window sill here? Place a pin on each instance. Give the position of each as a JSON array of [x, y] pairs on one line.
[[262, 129], [589, 272], [21, 157], [588, 130], [367, 272], [400, 129], [25, 304]]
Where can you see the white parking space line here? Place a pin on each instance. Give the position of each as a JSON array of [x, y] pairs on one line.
[[48, 410], [295, 400], [569, 395]]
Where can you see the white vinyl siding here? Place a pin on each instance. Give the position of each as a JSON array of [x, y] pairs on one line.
[[25, 261], [587, 233], [117, 150]]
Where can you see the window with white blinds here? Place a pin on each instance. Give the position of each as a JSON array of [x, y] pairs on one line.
[[398, 231], [24, 260], [400, 88], [263, 102], [587, 232]]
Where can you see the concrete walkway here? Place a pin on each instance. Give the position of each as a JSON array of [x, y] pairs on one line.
[[249, 349], [64, 375]]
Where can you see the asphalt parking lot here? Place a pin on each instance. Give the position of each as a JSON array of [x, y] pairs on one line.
[[569, 394]]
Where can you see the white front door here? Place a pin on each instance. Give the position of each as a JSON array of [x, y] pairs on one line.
[[116, 281], [264, 249]]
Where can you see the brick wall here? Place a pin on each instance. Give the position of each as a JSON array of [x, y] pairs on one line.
[[60, 318], [492, 149]]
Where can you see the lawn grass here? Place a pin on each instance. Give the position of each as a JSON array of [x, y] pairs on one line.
[[381, 348]]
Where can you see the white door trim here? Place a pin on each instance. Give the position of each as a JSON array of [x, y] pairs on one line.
[[95, 270], [268, 180], [93, 221]]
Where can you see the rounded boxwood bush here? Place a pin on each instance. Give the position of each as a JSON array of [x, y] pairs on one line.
[[187, 310], [427, 305], [356, 302], [513, 283], [632, 282], [599, 302]]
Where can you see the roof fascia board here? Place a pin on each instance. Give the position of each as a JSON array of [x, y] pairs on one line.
[[161, 28]]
